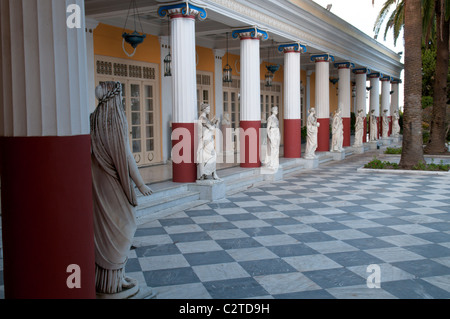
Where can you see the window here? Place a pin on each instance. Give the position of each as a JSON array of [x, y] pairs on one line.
[[141, 104]]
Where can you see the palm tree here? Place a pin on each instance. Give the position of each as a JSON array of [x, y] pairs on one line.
[[412, 149], [435, 26], [438, 127]]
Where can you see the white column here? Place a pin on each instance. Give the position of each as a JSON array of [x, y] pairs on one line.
[[218, 82], [323, 99], [395, 96], [308, 90], [292, 99], [361, 95], [184, 90], [45, 151], [385, 104], [375, 93], [385, 95], [250, 118], [344, 98], [361, 89], [183, 16], [91, 24], [166, 101]]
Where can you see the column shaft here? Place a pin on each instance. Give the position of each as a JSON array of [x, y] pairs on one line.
[[344, 101], [292, 101], [45, 151], [361, 96]]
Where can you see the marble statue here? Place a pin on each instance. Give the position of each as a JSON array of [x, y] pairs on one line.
[[386, 121], [337, 127], [114, 170], [311, 140], [206, 154], [359, 129], [227, 133], [395, 124], [373, 136], [273, 140]]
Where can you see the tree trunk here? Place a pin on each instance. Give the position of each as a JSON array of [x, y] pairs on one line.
[[412, 148], [438, 134]]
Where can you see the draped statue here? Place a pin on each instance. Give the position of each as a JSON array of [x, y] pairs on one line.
[[359, 129], [373, 136], [273, 140], [311, 140], [386, 121], [114, 171], [206, 153], [395, 124], [337, 127]]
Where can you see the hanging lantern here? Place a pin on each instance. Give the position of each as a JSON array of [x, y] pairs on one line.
[[227, 71], [168, 58], [168, 65], [269, 79], [135, 38]]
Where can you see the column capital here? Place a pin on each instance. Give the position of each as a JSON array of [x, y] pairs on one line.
[[386, 78], [250, 33], [183, 9], [344, 65], [375, 75], [396, 81], [322, 58], [292, 47], [361, 71]]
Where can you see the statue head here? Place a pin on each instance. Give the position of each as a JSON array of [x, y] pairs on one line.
[[206, 108], [275, 110]]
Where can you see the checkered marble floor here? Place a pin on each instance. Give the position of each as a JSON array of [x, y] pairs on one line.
[[312, 235]]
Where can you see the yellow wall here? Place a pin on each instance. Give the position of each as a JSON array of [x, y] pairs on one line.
[[108, 42], [205, 59]]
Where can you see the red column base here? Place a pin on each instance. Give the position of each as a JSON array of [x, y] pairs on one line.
[[347, 131], [293, 138], [47, 217], [184, 167], [249, 139], [323, 138]]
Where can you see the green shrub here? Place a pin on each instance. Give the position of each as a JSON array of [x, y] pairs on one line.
[[393, 150]]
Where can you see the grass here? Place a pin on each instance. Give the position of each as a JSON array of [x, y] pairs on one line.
[[393, 150], [378, 164]]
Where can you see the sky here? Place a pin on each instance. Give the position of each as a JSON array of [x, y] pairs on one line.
[[362, 14]]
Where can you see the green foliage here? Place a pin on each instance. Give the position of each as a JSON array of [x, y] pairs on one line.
[[393, 150], [427, 101], [432, 166], [378, 164]]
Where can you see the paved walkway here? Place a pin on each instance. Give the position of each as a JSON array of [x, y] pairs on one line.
[[313, 235]]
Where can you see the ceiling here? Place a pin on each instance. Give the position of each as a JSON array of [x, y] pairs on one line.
[[210, 33]]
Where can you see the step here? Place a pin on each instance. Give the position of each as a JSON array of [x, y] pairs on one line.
[[150, 217], [158, 204], [242, 184]]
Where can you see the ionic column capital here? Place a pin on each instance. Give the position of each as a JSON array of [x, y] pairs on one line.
[[395, 81], [253, 33], [183, 9], [344, 65], [322, 58], [361, 71], [375, 75], [386, 78], [292, 47]]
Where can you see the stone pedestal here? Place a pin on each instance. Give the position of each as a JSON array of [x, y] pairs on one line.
[[311, 163], [338, 156], [271, 174], [210, 189], [373, 145], [358, 149], [386, 141]]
